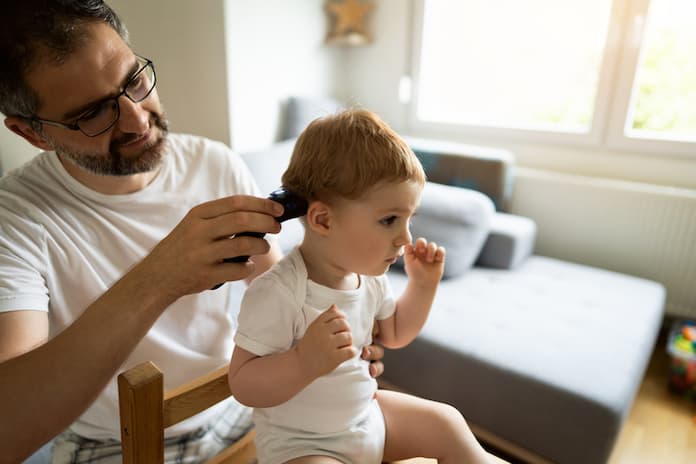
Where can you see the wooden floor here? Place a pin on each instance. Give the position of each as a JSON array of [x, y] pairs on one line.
[[660, 428]]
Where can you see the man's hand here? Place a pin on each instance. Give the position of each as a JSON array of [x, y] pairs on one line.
[[190, 258], [424, 262], [374, 353], [327, 343]]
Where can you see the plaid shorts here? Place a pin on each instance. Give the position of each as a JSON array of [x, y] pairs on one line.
[[191, 448]]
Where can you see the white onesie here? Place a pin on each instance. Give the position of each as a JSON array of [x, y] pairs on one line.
[[336, 415]]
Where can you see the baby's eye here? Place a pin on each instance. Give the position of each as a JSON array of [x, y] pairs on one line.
[[387, 221]]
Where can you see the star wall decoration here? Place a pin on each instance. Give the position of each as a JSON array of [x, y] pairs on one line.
[[348, 20]]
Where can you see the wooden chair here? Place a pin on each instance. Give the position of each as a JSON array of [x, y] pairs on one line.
[[146, 410]]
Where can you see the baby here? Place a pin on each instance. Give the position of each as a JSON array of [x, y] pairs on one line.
[[303, 323]]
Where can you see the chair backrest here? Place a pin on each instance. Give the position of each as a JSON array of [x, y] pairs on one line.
[[146, 410]]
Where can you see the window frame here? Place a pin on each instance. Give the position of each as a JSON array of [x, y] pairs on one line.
[[618, 68]]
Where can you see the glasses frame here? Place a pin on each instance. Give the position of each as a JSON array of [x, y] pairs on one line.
[[75, 125]]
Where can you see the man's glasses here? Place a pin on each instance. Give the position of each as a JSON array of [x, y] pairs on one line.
[[101, 117]]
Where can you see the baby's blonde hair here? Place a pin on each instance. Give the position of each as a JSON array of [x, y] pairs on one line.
[[345, 154]]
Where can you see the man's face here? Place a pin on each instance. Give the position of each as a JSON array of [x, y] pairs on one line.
[[99, 69]]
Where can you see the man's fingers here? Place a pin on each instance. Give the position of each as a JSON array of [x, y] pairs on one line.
[[236, 246], [376, 369], [373, 352], [233, 223], [231, 204]]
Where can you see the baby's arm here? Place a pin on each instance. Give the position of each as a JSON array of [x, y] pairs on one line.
[[424, 264], [266, 381]]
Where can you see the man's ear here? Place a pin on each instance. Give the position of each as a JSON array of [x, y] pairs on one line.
[[24, 129], [318, 217]]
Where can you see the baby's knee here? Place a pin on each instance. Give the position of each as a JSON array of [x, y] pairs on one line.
[[449, 417]]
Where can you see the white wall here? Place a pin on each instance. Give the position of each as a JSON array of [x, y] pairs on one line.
[[225, 67], [186, 40], [275, 50], [14, 150]]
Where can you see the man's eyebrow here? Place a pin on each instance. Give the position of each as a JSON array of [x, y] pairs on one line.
[[84, 108]]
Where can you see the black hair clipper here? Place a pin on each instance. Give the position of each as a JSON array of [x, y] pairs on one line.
[[293, 206]]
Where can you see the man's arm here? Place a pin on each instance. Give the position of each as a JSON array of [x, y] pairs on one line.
[[44, 389]]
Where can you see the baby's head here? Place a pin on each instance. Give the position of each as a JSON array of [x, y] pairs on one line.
[[346, 154]]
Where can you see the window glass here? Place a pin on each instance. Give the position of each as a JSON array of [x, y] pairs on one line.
[[530, 64], [663, 102]]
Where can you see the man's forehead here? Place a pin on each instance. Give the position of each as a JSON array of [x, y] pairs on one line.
[[92, 72]]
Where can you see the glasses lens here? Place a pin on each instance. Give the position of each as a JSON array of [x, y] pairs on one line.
[[99, 119], [103, 116], [142, 84]]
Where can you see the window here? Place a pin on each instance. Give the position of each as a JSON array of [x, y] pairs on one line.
[[618, 73]]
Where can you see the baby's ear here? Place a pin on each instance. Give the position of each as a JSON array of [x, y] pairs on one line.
[[318, 217]]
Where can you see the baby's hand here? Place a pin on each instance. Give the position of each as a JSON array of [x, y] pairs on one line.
[[326, 343], [424, 262]]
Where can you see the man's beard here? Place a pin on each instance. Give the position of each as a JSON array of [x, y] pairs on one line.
[[115, 164]]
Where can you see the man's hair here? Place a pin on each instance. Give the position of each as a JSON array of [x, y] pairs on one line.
[[346, 154], [42, 29]]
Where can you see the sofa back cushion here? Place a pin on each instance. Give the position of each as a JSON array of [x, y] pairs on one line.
[[458, 219]]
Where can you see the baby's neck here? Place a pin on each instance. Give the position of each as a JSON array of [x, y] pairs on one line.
[[322, 270]]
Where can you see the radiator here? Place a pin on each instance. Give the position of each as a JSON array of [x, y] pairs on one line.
[[639, 229]]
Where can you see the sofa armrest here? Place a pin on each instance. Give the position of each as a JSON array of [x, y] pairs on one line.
[[485, 169], [509, 242]]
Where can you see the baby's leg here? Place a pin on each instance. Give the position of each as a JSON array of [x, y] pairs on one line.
[[314, 460], [416, 427]]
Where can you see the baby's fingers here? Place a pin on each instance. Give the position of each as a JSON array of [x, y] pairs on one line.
[[428, 252], [439, 254]]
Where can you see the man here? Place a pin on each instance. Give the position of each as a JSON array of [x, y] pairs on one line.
[[112, 238]]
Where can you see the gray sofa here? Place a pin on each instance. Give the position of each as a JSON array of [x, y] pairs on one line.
[[543, 357]]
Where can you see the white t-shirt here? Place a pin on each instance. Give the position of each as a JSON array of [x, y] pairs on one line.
[[62, 245], [277, 309]]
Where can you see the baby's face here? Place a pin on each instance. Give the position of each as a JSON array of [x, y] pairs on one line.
[[371, 231]]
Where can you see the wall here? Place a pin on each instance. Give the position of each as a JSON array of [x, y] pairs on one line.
[[275, 50], [186, 40], [14, 150]]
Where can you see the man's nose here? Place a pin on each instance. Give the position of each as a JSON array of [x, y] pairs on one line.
[[134, 118]]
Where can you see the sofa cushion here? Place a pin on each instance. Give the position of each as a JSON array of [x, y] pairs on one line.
[[510, 241], [456, 218], [488, 170]]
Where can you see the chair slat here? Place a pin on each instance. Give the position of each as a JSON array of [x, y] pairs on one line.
[[142, 433], [195, 396]]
